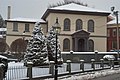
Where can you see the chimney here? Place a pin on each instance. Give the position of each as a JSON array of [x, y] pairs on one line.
[[9, 12]]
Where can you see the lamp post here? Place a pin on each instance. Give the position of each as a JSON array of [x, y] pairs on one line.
[[23, 35], [116, 14], [56, 28]]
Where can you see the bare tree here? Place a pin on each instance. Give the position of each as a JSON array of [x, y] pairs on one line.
[[18, 45], [3, 45], [67, 2]]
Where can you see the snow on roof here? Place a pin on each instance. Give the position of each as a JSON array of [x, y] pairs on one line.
[[27, 19], [114, 21], [3, 29], [77, 7], [3, 57]]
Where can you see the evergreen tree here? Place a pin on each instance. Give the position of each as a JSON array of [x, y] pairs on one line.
[[51, 43], [2, 22], [37, 47]]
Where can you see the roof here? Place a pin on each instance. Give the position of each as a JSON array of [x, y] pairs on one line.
[[114, 22], [77, 7], [73, 7], [81, 33], [20, 19]]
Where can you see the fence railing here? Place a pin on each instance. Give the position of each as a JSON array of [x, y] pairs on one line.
[[18, 72]]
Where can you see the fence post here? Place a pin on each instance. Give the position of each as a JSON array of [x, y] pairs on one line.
[[1, 72], [93, 63], [96, 55], [51, 68], [112, 63], [69, 66], [102, 63], [119, 62], [29, 70], [82, 65], [71, 55]]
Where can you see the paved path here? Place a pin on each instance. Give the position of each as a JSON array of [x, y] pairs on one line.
[[109, 77]]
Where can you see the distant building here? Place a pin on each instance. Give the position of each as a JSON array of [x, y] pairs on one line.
[[82, 28], [3, 45], [19, 30], [112, 35], [2, 29]]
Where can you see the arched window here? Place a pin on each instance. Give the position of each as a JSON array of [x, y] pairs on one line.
[[66, 44], [79, 24], [91, 45], [91, 26], [67, 24]]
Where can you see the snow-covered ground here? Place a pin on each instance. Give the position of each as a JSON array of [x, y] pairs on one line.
[[90, 75], [16, 70]]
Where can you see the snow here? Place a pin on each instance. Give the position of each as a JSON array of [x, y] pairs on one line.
[[10, 64], [76, 7], [3, 57], [89, 75], [109, 57], [90, 53], [20, 69], [113, 22], [37, 47], [3, 29], [26, 19], [1, 64]]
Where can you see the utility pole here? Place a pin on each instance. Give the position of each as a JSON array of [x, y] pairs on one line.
[[117, 27]]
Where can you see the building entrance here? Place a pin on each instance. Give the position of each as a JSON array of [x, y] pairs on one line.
[[80, 41], [81, 45]]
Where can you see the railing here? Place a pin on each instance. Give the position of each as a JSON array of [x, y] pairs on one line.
[[18, 71]]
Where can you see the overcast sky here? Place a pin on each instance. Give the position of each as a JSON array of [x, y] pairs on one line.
[[35, 8]]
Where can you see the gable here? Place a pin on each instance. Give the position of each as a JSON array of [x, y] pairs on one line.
[[75, 9], [81, 33]]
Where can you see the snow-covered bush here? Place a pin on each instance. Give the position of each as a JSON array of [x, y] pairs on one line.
[[37, 48], [109, 57]]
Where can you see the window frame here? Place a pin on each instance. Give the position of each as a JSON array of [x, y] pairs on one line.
[[91, 45], [114, 32], [114, 44], [15, 26], [67, 24], [79, 24], [66, 44], [27, 27], [91, 25]]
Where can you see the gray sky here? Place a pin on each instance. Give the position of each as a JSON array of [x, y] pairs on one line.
[[35, 8]]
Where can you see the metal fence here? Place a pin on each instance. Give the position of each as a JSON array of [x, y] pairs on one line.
[[16, 71]]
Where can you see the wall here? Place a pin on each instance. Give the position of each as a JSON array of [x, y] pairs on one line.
[[87, 56], [12, 35], [99, 36]]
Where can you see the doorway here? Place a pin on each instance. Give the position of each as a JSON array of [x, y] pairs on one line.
[[81, 45]]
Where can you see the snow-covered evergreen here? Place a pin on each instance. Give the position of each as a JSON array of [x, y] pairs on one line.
[[37, 47], [51, 43]]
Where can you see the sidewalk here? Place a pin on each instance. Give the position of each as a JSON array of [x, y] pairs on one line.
[[109, 74], [109, 77]]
